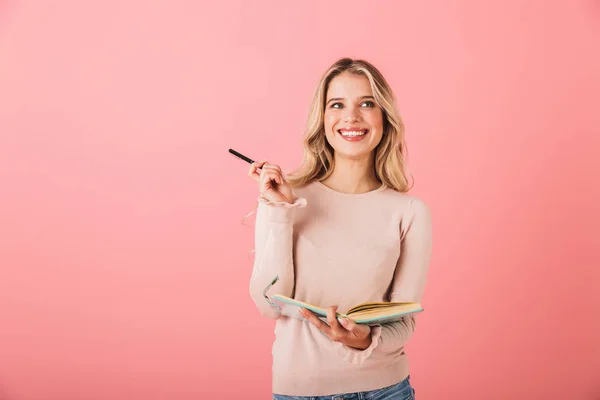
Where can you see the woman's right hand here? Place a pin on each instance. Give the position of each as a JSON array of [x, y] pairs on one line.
[[271, 182]]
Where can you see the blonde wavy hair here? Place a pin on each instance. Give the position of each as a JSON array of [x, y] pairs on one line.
[[390, 154]]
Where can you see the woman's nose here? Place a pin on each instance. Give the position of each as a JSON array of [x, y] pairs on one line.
[[351, 114]]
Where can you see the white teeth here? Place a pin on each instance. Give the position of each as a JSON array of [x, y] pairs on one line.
[[353, 133]]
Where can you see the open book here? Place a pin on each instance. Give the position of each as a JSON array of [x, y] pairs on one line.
[[365, 313]]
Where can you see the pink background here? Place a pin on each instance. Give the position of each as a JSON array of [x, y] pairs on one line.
[[123, 263]]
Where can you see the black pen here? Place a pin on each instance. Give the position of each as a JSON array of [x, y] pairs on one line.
[[241, 156]]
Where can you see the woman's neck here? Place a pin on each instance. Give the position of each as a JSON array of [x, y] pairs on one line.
[[352, 176]]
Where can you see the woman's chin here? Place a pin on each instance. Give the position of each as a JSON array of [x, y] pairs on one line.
[[352, 154]]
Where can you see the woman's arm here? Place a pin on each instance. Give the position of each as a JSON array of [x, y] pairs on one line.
[[273, 251], [408, 283]]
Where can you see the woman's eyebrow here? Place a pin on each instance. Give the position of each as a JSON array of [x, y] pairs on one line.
[[341, 98], [334, 99]]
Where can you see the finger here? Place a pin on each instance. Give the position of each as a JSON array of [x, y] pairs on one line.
[[338, 331], [253, 170], [277, 169], [354, 328], [312, 318], [267, 178], [266, 170], [272, 175], [274, 166], [273, 169]]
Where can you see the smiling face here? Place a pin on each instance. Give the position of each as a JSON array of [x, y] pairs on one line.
[[353, 120]]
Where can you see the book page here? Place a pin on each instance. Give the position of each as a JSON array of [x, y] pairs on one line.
[[376, 305], [289, 304], [384, 312]]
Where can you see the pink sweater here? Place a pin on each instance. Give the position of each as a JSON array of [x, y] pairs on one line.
[[332, 248]]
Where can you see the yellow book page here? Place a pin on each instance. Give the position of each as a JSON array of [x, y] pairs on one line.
[[375, 305], [384, 311]]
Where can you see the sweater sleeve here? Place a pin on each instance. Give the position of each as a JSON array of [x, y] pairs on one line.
[[273, 245], [408, 283]]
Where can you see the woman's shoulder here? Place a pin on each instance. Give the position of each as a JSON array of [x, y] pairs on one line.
[[406, 202], [403, 197]]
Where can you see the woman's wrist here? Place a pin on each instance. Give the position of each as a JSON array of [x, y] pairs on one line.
[[364, 344]]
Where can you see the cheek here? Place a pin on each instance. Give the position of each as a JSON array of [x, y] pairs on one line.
[[376, 121], [330, 121]]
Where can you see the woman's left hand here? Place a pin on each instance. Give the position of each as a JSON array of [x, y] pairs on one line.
[[344, 331]]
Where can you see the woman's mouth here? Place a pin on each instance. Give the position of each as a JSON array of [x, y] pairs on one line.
[[353, 135]]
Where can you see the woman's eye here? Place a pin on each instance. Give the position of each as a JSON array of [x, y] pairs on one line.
[[369, 103], [336, 105]]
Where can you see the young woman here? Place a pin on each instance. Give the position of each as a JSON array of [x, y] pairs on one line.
[[339, 231]]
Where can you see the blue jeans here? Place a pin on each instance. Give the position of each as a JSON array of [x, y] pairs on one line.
[[399, 391]]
